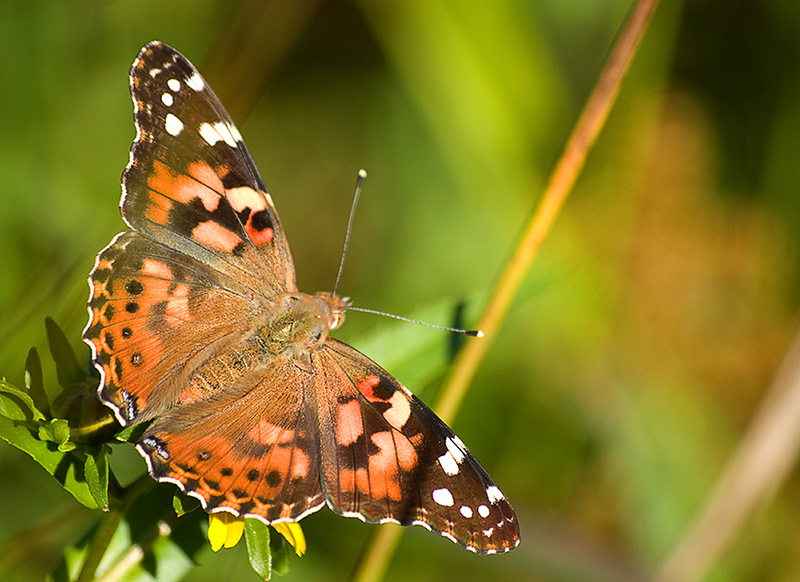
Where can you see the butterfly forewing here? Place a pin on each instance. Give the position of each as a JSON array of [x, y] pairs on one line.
[[191, 183], [391, 459], [196, 324]]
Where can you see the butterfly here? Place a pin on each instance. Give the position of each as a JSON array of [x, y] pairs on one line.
[[196, 324]]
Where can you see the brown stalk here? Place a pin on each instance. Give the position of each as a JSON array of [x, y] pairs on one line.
[[380, 548], [765, 455]]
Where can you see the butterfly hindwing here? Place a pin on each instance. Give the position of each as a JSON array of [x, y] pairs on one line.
[[389, 458], [250, 449], [191, 183]]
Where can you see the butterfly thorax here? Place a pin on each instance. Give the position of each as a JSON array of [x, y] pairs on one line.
[[292, 328], [298, 324]]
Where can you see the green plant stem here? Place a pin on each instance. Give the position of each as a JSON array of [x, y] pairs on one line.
[[378, 553], [99, 544], [134, 555], [593, 117], [119, 502]]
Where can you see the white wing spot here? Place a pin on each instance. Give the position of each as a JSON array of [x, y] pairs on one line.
[[196, 82], [209, 134], [154, 72], [174, 85], [172, 124], [228, 132], [220, 131], [167, 99], [449, 463], [443, 497], [466, 511], [156, 444], [483, 511], [494, 494], [488, 532], [456, 448], [235, 132]]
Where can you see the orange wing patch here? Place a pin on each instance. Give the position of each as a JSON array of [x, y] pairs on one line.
[[399, 411], [177, 311], [216, 236], [202, 183], [245, 197], [266, 433], [349, 424]]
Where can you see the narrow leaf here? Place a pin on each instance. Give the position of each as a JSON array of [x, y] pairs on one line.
[[34, 382], [280, 554], [96, 471], [67, 368], [17, 404], [256, 534], [183, 504], [131, 434]]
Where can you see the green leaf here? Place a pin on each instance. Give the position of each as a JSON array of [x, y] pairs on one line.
[[96, 470], [65, 467], [34, 382], [67, 447], [280, 550], [67, 368], [183, 504], [17, 404], [256, 534], [56, 431], [12, 408], [131, 434]]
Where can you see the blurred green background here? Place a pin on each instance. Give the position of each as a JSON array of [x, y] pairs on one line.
[[644, 337]]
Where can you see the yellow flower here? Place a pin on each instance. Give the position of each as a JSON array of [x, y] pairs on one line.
[[294, 535], [225, 530]]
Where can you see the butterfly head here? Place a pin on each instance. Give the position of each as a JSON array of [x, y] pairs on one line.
[[335, 307]]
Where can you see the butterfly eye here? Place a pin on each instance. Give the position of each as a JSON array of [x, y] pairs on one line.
[[338, 319]]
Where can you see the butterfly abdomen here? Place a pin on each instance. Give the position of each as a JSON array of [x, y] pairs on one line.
[[219, 373]]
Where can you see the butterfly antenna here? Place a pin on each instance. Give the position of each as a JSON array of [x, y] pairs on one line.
[[362, 174], [469, 332], [359, 181]]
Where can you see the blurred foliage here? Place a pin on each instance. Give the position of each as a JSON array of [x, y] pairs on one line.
[[649, 327]]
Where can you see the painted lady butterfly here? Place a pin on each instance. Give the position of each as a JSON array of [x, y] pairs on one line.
[[196, 323]]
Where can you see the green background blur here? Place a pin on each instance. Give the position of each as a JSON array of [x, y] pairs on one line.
[[645, 335]]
